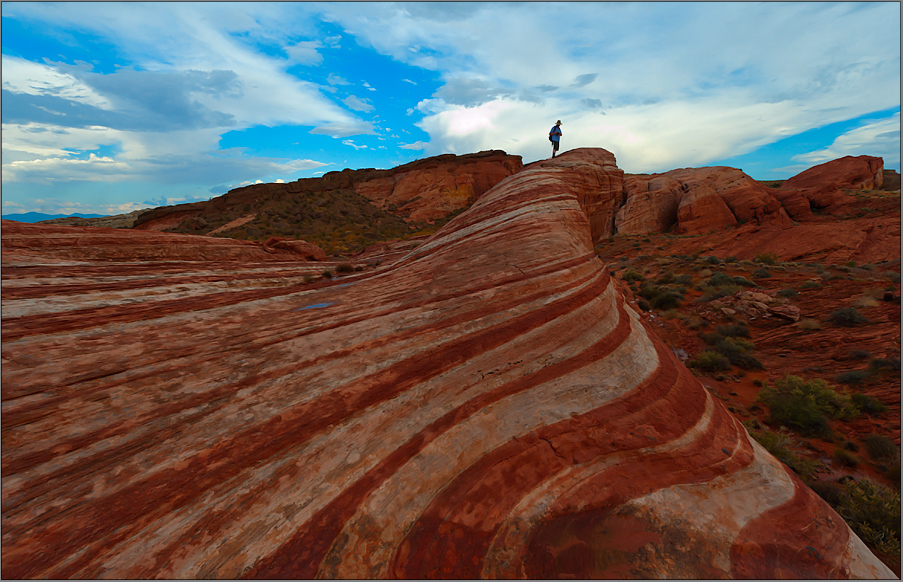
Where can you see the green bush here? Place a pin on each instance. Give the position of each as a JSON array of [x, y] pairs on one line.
[[734, 330], [327, 274], [667, 300], [787, 293], [631, 275], [761, 274], [709, 361], [766, 258], [811, 285], [880, 447], [718, 293], [736, 350], [879, 364], [868, 404], [776, 444], [344, 268], [806, 406], [851, 377], [872, 510], [683, 279], [643, 304], [845, 457], [847, 317]]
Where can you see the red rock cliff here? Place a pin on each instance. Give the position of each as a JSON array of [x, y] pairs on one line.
[[486, 406]]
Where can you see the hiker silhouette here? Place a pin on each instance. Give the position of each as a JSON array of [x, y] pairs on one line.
[[555, 136]]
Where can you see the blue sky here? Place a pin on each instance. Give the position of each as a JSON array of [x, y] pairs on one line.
[[110, 107]]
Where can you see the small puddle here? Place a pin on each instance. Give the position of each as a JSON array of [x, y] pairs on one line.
[[314, 306]]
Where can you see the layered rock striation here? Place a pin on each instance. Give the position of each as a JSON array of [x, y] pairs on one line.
[[485, 406]]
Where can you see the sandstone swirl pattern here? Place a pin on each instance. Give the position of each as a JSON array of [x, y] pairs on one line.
[[487, 406]]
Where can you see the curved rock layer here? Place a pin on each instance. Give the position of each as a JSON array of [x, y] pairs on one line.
[[486, 406]]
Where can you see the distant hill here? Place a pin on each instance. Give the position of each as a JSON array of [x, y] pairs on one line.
[[39, 216]]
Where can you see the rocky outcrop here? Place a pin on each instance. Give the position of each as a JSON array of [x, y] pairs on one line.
[[487, 406], [850, 172], [422, 190], [109, 244], [696, 200]]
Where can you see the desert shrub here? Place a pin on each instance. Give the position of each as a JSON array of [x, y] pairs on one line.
[[761, 274], [308, 279], [850, 446], [847, 317], [709, 361], [631, 275], [830, 491], [859, 354], [810, 285], [880, 447], [777, 444], [730, 259], [879, 364], [845, 457], [683, 279], [712, 260], [865, 302], [868, 404], [809, 324], [327, 274], [718, 293], [667, 300], [643, 304], [344, 268], [766, 258], [736, 350], [787, 293], [872, 510], [734, 330], [892, 276], [851, 377], [806, 406], [667, 277]]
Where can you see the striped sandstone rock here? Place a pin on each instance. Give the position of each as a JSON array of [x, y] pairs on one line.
[[485, 406]]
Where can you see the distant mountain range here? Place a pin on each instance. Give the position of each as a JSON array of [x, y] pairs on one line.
[[39, 216]]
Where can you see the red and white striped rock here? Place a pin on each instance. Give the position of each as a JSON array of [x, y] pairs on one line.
[[486, 406]]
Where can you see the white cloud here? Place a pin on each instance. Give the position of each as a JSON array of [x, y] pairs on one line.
[[21, 76], [417, 145], [878, 138], [349, 142], [661, 84], [358, 104], [305, 52]]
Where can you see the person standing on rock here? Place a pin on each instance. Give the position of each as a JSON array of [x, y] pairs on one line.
[[555, 136]]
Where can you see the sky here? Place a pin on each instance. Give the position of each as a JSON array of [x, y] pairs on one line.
[[111, 107]]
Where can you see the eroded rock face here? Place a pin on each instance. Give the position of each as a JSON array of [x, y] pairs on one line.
[[486, 406], [851, 172], [695, 201]]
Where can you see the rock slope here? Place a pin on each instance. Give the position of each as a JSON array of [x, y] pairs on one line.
[[486, 406]]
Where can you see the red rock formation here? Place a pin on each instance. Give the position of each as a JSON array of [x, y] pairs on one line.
[[486, 406], [113, 244], [823, 185], [422, 190], [696, 200], [851, 172]]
